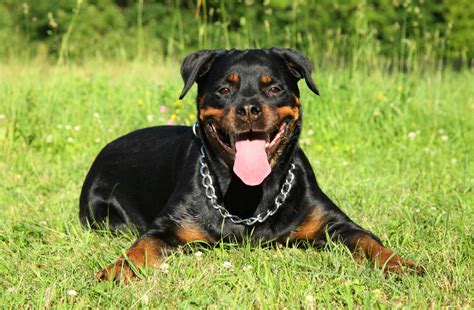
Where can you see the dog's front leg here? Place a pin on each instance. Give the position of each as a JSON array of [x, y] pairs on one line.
[[320, 224], [365, 245], [148, 250]]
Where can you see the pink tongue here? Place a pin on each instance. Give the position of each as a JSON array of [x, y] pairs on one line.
[[251, 164]]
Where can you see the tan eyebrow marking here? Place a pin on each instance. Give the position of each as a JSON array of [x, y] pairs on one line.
[[234, 78], [265, 79]]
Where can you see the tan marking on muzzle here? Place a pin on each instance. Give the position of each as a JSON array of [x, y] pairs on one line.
[[288, 111], [210, 112], [201, 99], [297, 101]]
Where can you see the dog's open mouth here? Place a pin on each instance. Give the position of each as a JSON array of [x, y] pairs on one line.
[[252, 151], [272, 140]]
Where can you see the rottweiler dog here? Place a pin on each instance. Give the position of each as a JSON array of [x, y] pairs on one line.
[[237, 174]]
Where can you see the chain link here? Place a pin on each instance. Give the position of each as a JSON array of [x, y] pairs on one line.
[[210, 192]]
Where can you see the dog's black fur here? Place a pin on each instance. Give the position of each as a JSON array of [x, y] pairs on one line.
[[149, 180]]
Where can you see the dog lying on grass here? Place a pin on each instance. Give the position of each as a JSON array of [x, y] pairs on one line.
[[238, 173]]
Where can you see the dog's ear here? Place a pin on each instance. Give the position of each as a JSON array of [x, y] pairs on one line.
[[196, 65], [299, 66]]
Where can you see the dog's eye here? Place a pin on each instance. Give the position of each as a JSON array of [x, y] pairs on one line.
[[274, 90], [224, 91]]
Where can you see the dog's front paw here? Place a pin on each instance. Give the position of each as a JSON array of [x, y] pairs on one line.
[[398, 265], [118, 271]]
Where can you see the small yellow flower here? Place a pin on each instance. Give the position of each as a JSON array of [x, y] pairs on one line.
[[174, 117], [191, 116], [176, 104], [379, 97], [139, 101]]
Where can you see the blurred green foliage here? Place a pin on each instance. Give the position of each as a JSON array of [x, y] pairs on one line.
[[404, 33]]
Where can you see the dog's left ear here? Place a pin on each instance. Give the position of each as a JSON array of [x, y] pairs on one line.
[[196, 65], [299, 66]]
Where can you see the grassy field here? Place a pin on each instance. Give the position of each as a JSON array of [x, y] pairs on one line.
[[394, 151]]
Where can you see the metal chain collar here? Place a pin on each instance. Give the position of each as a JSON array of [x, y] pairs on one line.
[[262, 217]]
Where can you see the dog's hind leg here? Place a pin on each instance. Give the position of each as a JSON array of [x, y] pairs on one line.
[[101, 211]]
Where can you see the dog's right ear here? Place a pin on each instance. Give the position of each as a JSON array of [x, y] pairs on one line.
[[196, 65]]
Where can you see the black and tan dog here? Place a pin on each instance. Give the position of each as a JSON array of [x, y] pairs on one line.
[[251, 180]]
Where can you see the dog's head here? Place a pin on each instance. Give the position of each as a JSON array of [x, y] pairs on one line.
[[248, 104]]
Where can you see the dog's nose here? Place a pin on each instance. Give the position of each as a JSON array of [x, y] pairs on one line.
[[249, 111]]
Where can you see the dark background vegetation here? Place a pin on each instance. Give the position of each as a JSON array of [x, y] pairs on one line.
[[402, 33]]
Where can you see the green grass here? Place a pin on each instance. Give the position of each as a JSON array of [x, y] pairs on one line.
[[394, 151]]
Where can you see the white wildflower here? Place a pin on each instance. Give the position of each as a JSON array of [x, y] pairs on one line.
[[11, 289], [227, 265], [412, 135], [247, 267], [198, 255], [377, 112], [164, 267], [72, 293]]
